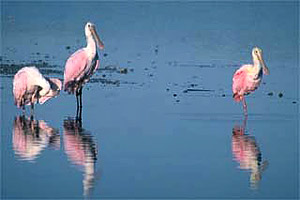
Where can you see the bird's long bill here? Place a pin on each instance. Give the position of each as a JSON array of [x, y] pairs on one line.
[[265, 68], [96, 37]]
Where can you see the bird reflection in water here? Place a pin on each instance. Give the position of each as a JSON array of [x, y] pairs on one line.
[[31, 137], [81, 151], [246, 152]]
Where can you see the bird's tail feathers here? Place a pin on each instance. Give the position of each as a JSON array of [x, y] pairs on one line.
[[237, 97], [71, 87]]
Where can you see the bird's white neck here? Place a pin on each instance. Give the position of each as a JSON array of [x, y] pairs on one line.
[[91, 46], [256, 63]]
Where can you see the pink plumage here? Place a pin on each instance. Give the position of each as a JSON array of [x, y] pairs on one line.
[[19, 88], [30, 87], [244, 82], [78, 70], [82, 65], [248, 77]]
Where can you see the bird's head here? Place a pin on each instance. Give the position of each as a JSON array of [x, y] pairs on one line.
[[257, 56], [90, 31]]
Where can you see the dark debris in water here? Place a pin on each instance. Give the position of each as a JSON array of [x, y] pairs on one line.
[[197, 65], [197, 90], [114, 68], [294, 102], [105, 81], [280, 95], [270, 93], [123, 70], [44, 67], [111, 82]]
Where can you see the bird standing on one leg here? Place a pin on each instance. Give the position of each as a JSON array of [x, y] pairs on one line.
[[30, 87], [248, 77], [81, 65]]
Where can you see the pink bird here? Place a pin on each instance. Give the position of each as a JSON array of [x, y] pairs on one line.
[[30, 87], [248, 77], [82, 64]]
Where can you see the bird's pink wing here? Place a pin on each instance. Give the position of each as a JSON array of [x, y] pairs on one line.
[[75, 66], [19, 87], [239, 80]]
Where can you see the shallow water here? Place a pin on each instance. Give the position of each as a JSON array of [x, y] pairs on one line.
[[158, 118]]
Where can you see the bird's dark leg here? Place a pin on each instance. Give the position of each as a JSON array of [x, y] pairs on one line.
[[31, 111], [245, 121], [23, 110], [244, 124], [245, 107], [79, 104]]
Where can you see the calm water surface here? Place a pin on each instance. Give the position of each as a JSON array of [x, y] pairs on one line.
[[168, 127]]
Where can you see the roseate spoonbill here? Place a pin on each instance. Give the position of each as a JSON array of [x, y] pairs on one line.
[[248, 77], [30, 87], [82, 64]]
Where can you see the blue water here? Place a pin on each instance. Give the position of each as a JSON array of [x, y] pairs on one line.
[[146, 133]]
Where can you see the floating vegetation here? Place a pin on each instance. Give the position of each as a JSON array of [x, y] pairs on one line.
[[123, 70], [44, 67], [197, 65], [105, 81], [197, 90], [114, 68]]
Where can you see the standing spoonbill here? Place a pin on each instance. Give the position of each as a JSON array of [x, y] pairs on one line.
[[81, 65], [30, 87], [248, 77]]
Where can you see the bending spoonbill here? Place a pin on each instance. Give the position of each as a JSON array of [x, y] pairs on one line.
[[30, 87], [82, 64], [248, 77]]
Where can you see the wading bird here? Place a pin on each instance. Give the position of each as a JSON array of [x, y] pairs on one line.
[[30, 87], [248, 77], [81, 65]]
